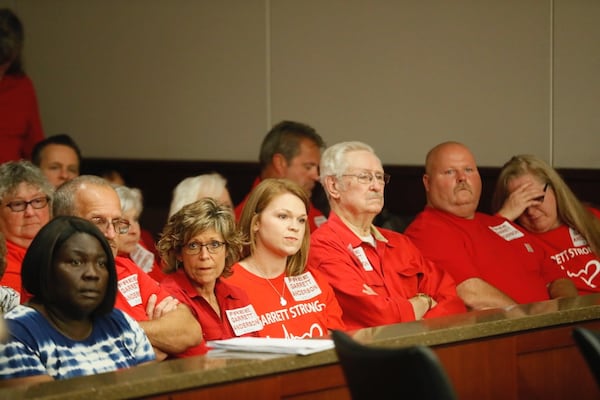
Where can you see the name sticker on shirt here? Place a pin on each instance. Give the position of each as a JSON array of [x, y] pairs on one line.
[[130, 289], [244, 320], [144, 258], [577, 238], [507, 231], [303, 286], [362, 257]]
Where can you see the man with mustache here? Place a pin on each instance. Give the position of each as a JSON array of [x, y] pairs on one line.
[[494, 262], [378, 275]]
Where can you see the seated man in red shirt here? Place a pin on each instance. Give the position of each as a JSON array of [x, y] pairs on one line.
[[170, 326], [379, 277], [494, 262], [291, 150]]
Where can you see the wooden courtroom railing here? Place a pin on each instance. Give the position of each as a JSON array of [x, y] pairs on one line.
[[523, 353]]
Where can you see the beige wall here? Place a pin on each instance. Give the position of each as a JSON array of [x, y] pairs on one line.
[[204, 79]]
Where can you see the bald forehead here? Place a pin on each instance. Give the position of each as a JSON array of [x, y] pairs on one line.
[[445, 153], [92, 198]]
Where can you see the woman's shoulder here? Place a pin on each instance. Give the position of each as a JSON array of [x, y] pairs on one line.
[[594, 210], [13, 82], [23, 312]]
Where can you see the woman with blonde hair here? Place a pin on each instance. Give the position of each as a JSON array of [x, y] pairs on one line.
[[531, 193], [198, 245], [291, 300]]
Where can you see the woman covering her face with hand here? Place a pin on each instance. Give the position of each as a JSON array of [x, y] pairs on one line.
[[531, 193], [69, 327], [291, 301], [198, 246]]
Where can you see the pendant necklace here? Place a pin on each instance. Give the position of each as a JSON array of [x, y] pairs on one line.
[[282, 300]]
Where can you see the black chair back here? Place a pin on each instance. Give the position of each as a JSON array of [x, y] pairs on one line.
[[391, 373], [588, 342]]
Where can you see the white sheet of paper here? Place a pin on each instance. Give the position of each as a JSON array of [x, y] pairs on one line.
[[273, 345]]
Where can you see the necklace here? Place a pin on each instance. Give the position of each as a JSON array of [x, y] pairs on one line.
[[282, 300]]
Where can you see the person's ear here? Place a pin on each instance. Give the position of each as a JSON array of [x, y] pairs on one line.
[[332, 187], [255, 224], [279, 164], [426, 182]]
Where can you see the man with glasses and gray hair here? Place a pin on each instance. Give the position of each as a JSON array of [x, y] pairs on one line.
[[25, 206], [378, 275], [170, 326]]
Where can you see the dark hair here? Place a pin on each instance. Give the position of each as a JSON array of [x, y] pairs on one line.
[[62, 139], [12, 36], [284, 138], [36, 270]]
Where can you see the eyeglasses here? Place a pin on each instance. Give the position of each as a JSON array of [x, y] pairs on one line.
[[193, 248], [365, 177], [121, 226], [21, 205], [541, 198]]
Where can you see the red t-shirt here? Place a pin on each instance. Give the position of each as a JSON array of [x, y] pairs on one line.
[[311, 308], [394, 269], [315, 217], [571, 253], [135, 287], [20, 124], [147, 260], [12, 275], [486, 247], [231, 300]]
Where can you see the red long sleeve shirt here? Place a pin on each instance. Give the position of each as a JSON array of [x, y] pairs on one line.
[[394, 269], [20, 124]]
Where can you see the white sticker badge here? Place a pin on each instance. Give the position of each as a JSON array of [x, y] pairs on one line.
[[577, 239], [362, 257], [130, 289], [507, 231], [244, 320], [303, 286]]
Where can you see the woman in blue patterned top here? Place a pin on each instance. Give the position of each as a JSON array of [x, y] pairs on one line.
[[69, 328]]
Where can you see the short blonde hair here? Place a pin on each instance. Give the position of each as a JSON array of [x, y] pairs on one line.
[[194, 219]]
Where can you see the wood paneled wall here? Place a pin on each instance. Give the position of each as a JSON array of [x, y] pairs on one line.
[[404, 195]]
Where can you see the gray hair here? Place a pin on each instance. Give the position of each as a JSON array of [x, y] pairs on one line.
[[64, 197], [334, 161], [13, 173], [195, 188], [131, 198]]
